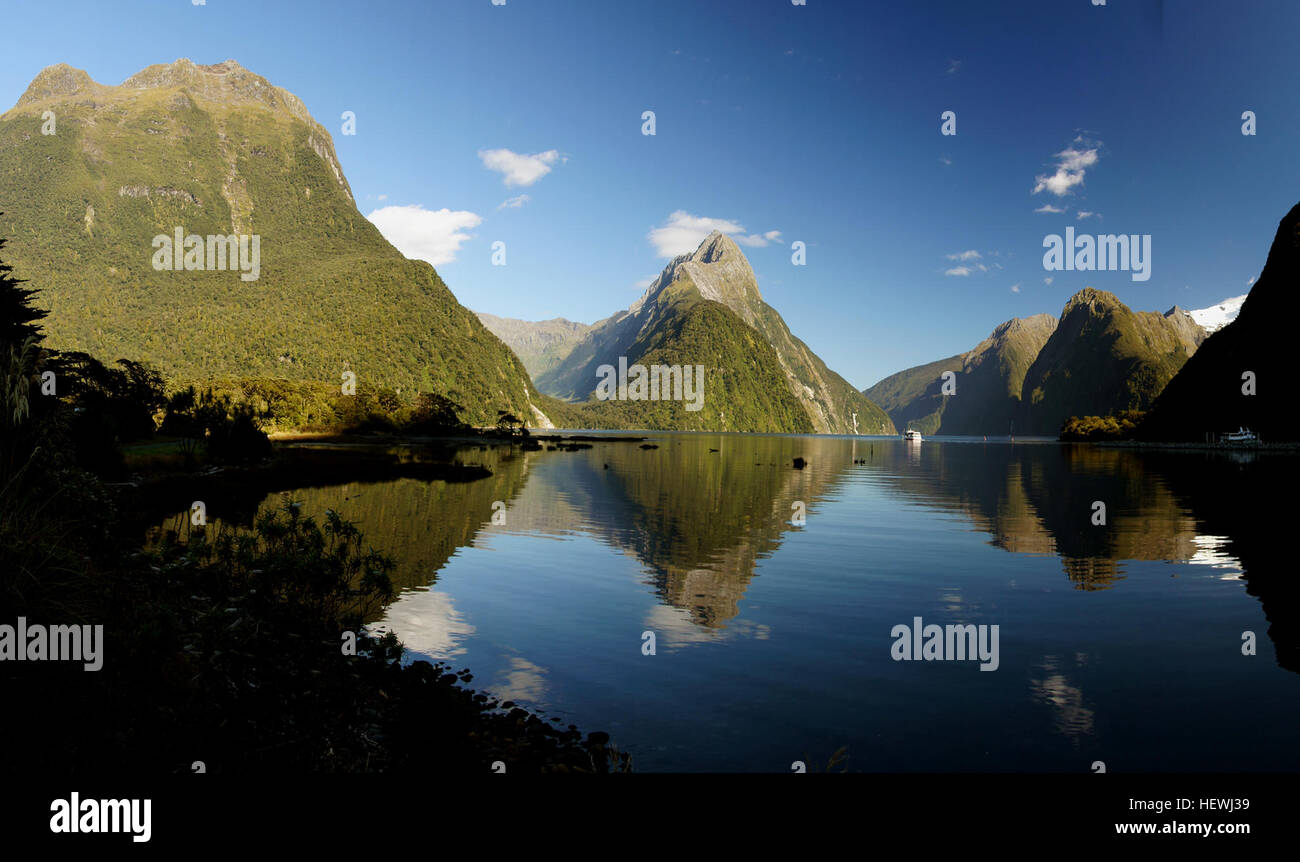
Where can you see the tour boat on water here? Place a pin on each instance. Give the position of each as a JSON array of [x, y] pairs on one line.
[[912, 436], [1241, 435]]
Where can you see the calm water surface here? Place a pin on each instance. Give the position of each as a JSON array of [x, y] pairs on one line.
[[1120, 643]]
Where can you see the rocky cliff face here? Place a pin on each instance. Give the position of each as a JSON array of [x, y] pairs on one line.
[[1189, 332]]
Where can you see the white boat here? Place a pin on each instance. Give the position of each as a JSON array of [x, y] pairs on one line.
[[1241, 435], [912, 436]]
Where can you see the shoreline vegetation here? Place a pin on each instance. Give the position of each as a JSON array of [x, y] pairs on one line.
[[237, 649], [239, 636], [1200, 447], [1122, 430]]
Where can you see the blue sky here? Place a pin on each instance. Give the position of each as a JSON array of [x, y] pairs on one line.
[[820, 122]]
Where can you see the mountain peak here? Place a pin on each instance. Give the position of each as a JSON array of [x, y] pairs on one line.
[[227, 86], [57, 80], [1023, 324], [225, 83], [181, 72], [717, 269], [721, 272], [715, 247], [1091, 297]]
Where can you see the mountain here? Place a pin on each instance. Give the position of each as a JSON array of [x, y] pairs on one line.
[[705, 309], [219, 151], [1104, 358], [1210, 393], [911, 397], [1185, 324], [540, 345], [987, 383], [1216, 317], [1098, 358]]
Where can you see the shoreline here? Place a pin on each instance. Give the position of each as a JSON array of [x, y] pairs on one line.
[[1193, 447]]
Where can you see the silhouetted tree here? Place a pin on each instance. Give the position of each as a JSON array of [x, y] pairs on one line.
[[509, 423], [229, 431], [21, 361], [436, 414], [18, 317], [121, 401]]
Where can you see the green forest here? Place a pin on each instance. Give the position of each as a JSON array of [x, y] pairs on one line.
[[332, 295]]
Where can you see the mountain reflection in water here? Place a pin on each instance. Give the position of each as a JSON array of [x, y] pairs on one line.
[[1119, 642]]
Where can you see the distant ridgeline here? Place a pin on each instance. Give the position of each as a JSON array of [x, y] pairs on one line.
[[1030, 375], [703, 320], [196, 218], [1146, 375]]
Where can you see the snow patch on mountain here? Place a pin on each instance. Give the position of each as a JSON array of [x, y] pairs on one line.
[[1218, 316]]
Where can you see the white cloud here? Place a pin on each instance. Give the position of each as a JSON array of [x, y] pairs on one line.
[[1048, 208], [969, 263], [383, 197], [1048, 281], [1071, 165], [517, 169], [683, 233], [514, 203], [954, 66], [421, 234], [1015, 288], [1083, 214], [945, 160]]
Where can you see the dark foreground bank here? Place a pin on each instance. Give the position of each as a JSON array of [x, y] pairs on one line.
[[238, 652]]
